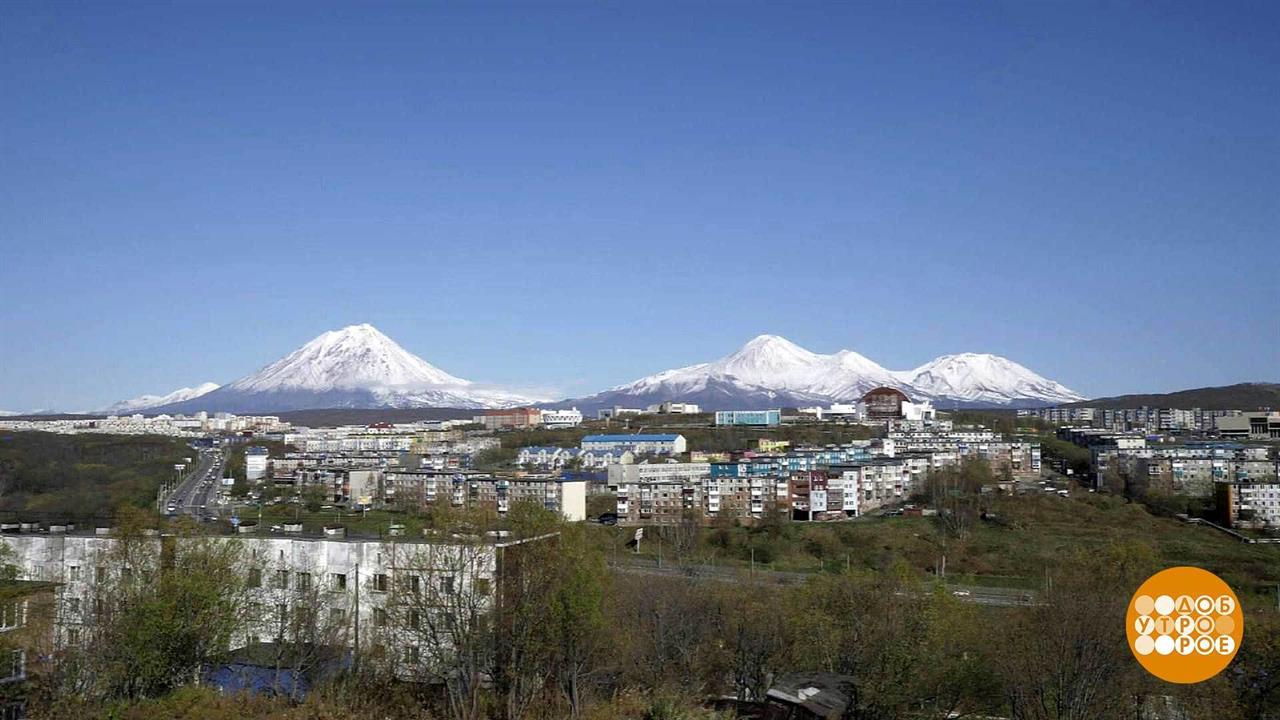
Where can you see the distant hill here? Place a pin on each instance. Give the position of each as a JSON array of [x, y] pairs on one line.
[[1245, 396]]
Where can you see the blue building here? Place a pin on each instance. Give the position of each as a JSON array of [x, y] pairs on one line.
[[766, 418]]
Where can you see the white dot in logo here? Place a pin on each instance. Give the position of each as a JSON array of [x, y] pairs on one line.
[[1144, 644], [1164, 644], [1164, 605], [1225, 644]]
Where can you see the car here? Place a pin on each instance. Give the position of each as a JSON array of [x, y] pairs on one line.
[[961, 593], [609, 518]]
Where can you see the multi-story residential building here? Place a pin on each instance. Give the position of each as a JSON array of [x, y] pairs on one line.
[[1249, 503], [872, 484], [766, 418], [344, 485], [556, 458], [666, 444], [292, 583], [510, 418], [255, 462], [424, 488], [1192, 468]]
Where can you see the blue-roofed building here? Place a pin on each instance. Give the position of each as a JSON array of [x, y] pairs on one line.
[[666, 444]]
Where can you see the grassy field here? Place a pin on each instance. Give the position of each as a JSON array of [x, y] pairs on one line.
[[1031, 535]]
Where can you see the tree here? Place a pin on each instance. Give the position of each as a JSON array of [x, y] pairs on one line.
[[164, 607]]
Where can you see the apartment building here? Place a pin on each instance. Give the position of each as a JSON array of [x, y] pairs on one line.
[[424, 488], [1249, 503], [555, 458], [294, 584], [256, 460], [510, 418], [1191, 468], [342, 485], [665, 444]]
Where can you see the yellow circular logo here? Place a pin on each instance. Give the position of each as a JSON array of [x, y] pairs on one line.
[[1184, 625]]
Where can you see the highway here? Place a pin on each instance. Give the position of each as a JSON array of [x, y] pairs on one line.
[[199, 488]]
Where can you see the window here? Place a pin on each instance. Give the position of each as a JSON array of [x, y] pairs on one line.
[[415, 619], [415, 584], [379, 617], [337, 616], [73, 573], [482, 586], [255, 577], [282, 579], [446, 584], [13, 665], [11, 615], [411, 656], [338, 581], [74, 605], [73, 636], [100, 574], [380, 582], [304, 581]]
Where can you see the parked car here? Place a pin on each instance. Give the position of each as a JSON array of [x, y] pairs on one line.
[[609, 518]]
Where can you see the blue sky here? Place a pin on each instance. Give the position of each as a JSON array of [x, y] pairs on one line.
[[571, 196]]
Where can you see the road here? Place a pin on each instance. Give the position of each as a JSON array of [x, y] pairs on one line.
[[199, 488]]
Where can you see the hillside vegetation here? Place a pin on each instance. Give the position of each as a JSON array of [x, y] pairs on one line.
[[1244, 396], [81, 476]]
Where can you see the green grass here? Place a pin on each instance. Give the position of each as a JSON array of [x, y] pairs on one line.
[[1034, 535]]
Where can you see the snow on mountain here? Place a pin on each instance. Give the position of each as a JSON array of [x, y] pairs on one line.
[[984, 378], [772, 363], [355, 367], [146, 402], [770, 371]]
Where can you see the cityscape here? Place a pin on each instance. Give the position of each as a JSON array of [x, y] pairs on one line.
[[652, 362]]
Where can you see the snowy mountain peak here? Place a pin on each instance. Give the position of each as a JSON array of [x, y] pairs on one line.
[[144, 402], [357, 356], [771, 370], [985, 378], [765, 355], [356, 367]]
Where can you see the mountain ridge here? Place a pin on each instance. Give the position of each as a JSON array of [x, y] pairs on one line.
[[769, 371]]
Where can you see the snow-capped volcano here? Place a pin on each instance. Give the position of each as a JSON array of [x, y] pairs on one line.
[[984, 378], [772, 364], [770, 371], [355, 367], [145, 402], [355, 357]]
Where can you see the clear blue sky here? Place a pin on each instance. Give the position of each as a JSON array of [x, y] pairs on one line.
[[572, 196]]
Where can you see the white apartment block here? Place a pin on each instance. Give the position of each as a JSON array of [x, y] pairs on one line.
[[350, 585]]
